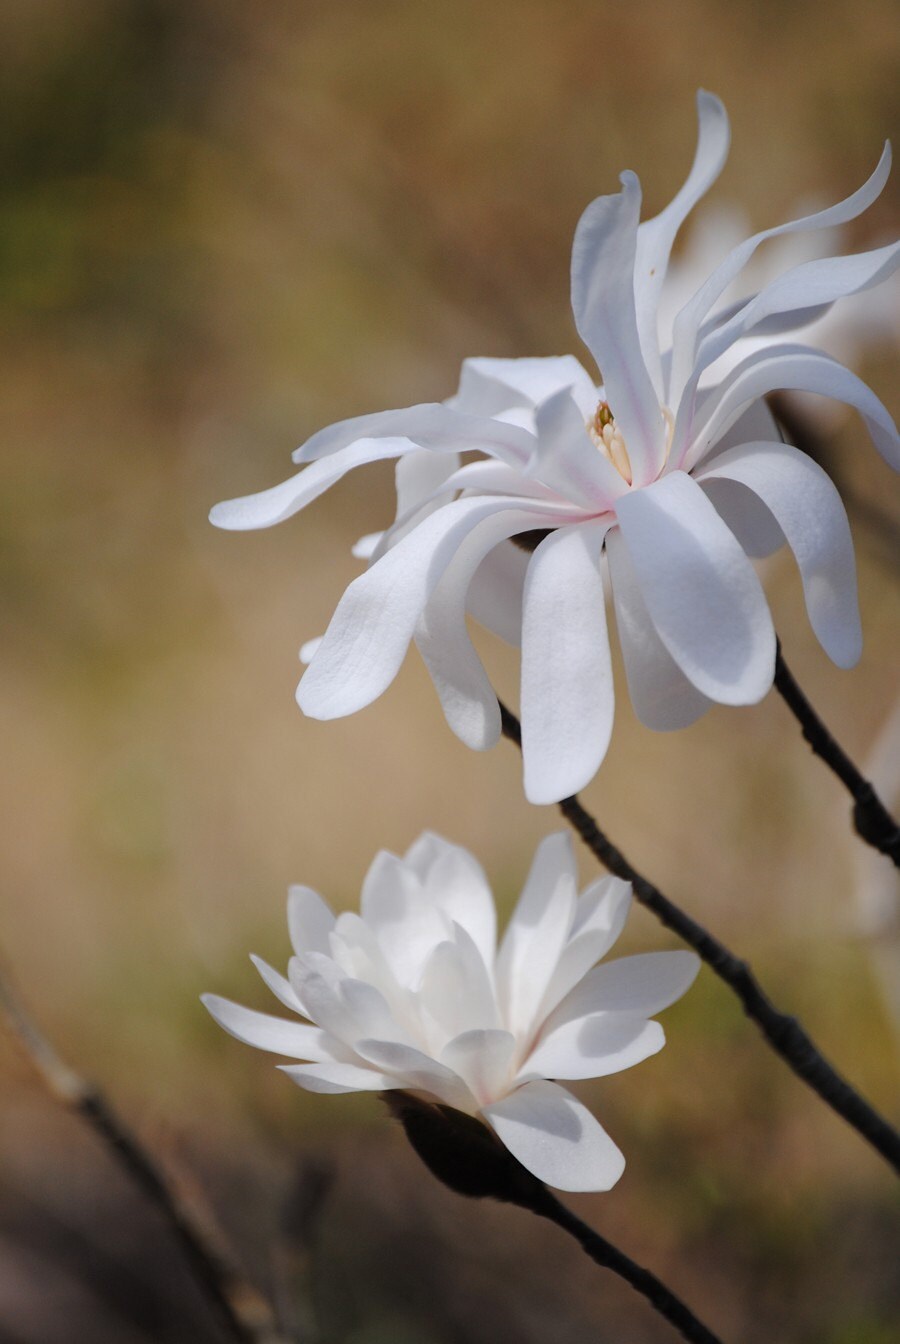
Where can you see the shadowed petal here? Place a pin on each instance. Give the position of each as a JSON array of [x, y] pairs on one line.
[[334, 1078], [594, 1047], [556, 1138], [642, 985]]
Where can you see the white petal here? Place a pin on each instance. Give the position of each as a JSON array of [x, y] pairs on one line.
[[317, 981], [641, 985], [556, 1138], [336, 1078], [537, 931], [456, 994], [374, 622], [467, 697], [661, 694], [456, 883], [789, 367], [430, 425], [599, 919], [656, 236], [603, 258], [568, 461], [483, 1060], [567, 689], [691, 317], [279, 985], [419, 476], [310, 919], [495, 593], [416, 1069], [594, 1047], [282, 501], [809, 511], [309, 649], [406, 926], [488, 386], [268, 1033], [700, 589]]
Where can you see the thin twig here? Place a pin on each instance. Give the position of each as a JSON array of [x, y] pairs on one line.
[[783, 1032], [871, 819], [240, 1309], [469, 1158]]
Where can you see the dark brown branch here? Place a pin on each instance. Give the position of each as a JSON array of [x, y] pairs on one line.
[[239, 1308], [871, 819], [783, 1032]]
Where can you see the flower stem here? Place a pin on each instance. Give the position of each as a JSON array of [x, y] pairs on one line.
[[783, 1032], [871, 819], [604, 1253], [468, 1158]]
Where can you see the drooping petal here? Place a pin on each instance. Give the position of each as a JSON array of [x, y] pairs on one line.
[[335, 1078], [556, 1138], [593, 1047], [793, 368], [495, 593], [537, 931], [689, 320], [638, 986], [310, 919], [284, 500], [375, 619], [431, 425], [489, 386], [483, 1059], [809, 511], [661, 694], [467, 697], [700, 590], [567, 689], [268, 1033], [656, 236], [567, 460], [603, 259]]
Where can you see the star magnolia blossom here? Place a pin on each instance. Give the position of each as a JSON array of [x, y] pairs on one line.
[[666, 481], [413, 995]]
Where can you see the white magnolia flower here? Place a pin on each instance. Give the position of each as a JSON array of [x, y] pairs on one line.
[[413, 994], [667, 483]]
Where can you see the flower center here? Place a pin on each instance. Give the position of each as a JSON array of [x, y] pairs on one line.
[[606, 436]]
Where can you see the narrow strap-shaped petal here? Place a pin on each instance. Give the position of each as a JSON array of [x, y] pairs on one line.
[[268, 1033], [495, 593], [284, 500], [661, 694], [593, 1047], [786, 367], [568, 461], [567, 689], [809, 511], [599, 919], [416, 1069], [371, 628], [556, 1138], [693, 314], [457, 884], [700, 590], [812, 285], [467, 697], [656, 236], [336, 1078], [603, 256], [431, 425], [310, 919], [537, 931], [280, 985]]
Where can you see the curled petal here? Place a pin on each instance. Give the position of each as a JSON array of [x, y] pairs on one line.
[[491, 386], [810, 514], [430, 425]]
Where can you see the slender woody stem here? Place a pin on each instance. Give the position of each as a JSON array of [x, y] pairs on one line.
[[783, 1032], [871, 819], [604, 1253], [239, 1308]]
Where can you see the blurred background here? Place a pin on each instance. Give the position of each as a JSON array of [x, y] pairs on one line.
[[224, 226]]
